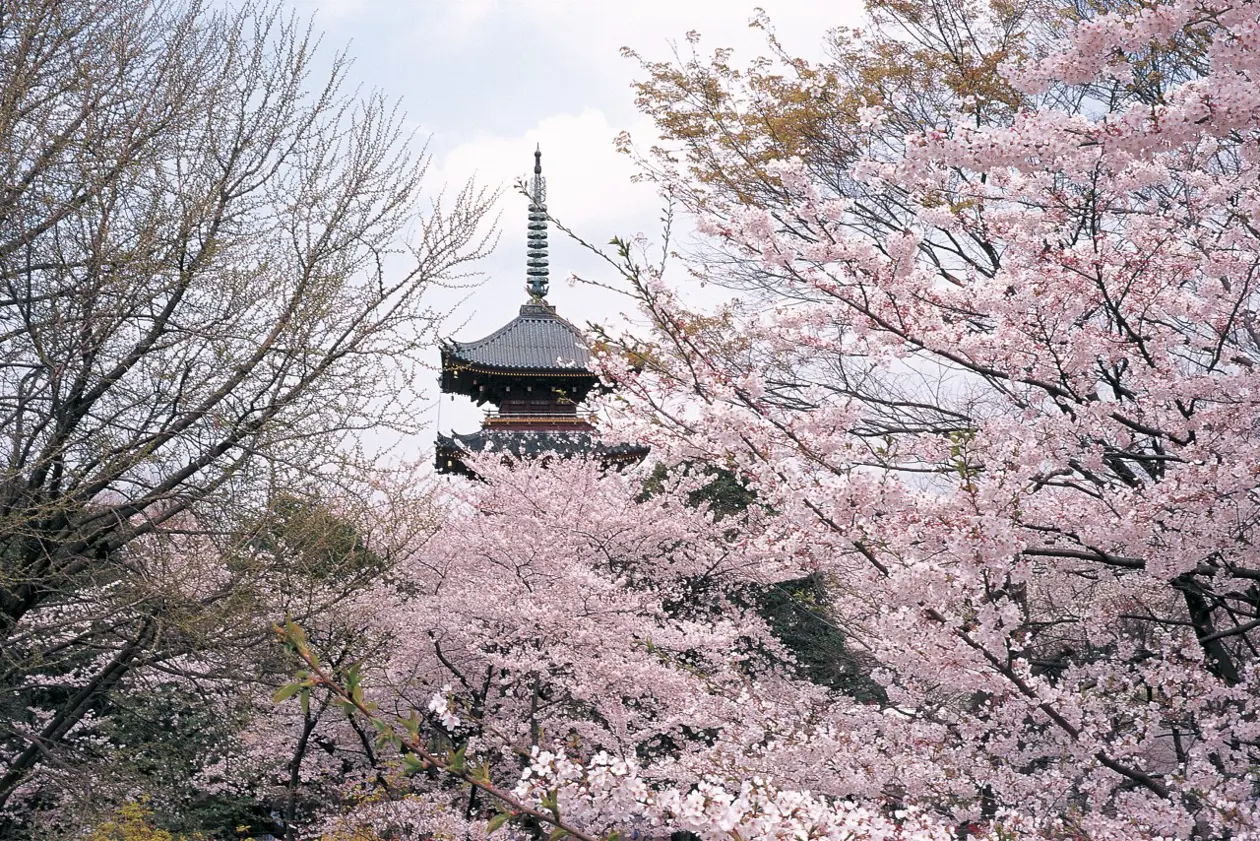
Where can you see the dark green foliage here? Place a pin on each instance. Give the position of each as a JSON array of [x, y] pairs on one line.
[[161, 738], [796, 610], [153, 740], [725, 493]]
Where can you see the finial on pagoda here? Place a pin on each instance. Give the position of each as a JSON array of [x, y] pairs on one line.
[[536, 264]]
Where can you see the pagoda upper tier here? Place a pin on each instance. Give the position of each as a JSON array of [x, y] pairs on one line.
[[537, 361], [535, 371]]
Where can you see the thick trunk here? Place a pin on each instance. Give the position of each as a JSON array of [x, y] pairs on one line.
[[1218, 658]]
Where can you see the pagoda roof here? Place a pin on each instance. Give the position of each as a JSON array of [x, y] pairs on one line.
[[527, 444], [536, 340]]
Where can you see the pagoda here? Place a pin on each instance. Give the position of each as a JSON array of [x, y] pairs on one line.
[[534, 371]]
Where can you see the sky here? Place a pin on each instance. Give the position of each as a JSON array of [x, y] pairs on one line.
[[484, 81]]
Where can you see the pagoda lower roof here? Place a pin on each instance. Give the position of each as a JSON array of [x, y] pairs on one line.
[[526, 444], [536, 340]]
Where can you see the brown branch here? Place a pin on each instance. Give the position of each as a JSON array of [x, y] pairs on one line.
[[1229, 632], [1141, 778], [1098, 556], [319, 677]]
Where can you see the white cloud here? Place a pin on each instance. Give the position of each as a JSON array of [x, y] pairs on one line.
[[463, 17], [592, 32], [588, 181], [600, 25], [327, 11]]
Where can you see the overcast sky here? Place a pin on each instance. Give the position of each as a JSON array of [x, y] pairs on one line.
[[485, 80]]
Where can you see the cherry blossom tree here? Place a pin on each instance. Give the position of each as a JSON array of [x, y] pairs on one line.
[[1013, 422]]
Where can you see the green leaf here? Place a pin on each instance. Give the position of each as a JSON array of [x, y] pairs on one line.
[[294, 631], [557, 834], [286, 692], [551, 802], [305, 698], [413, 764], [456, 758], [498, 821]]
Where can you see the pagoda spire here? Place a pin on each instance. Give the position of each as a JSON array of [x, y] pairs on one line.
[[536, 264]]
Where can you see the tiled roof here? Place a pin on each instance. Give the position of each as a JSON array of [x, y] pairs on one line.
[[530, 444], [537, 339]]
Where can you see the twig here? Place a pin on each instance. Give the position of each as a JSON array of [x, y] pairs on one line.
[[351, 699]]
